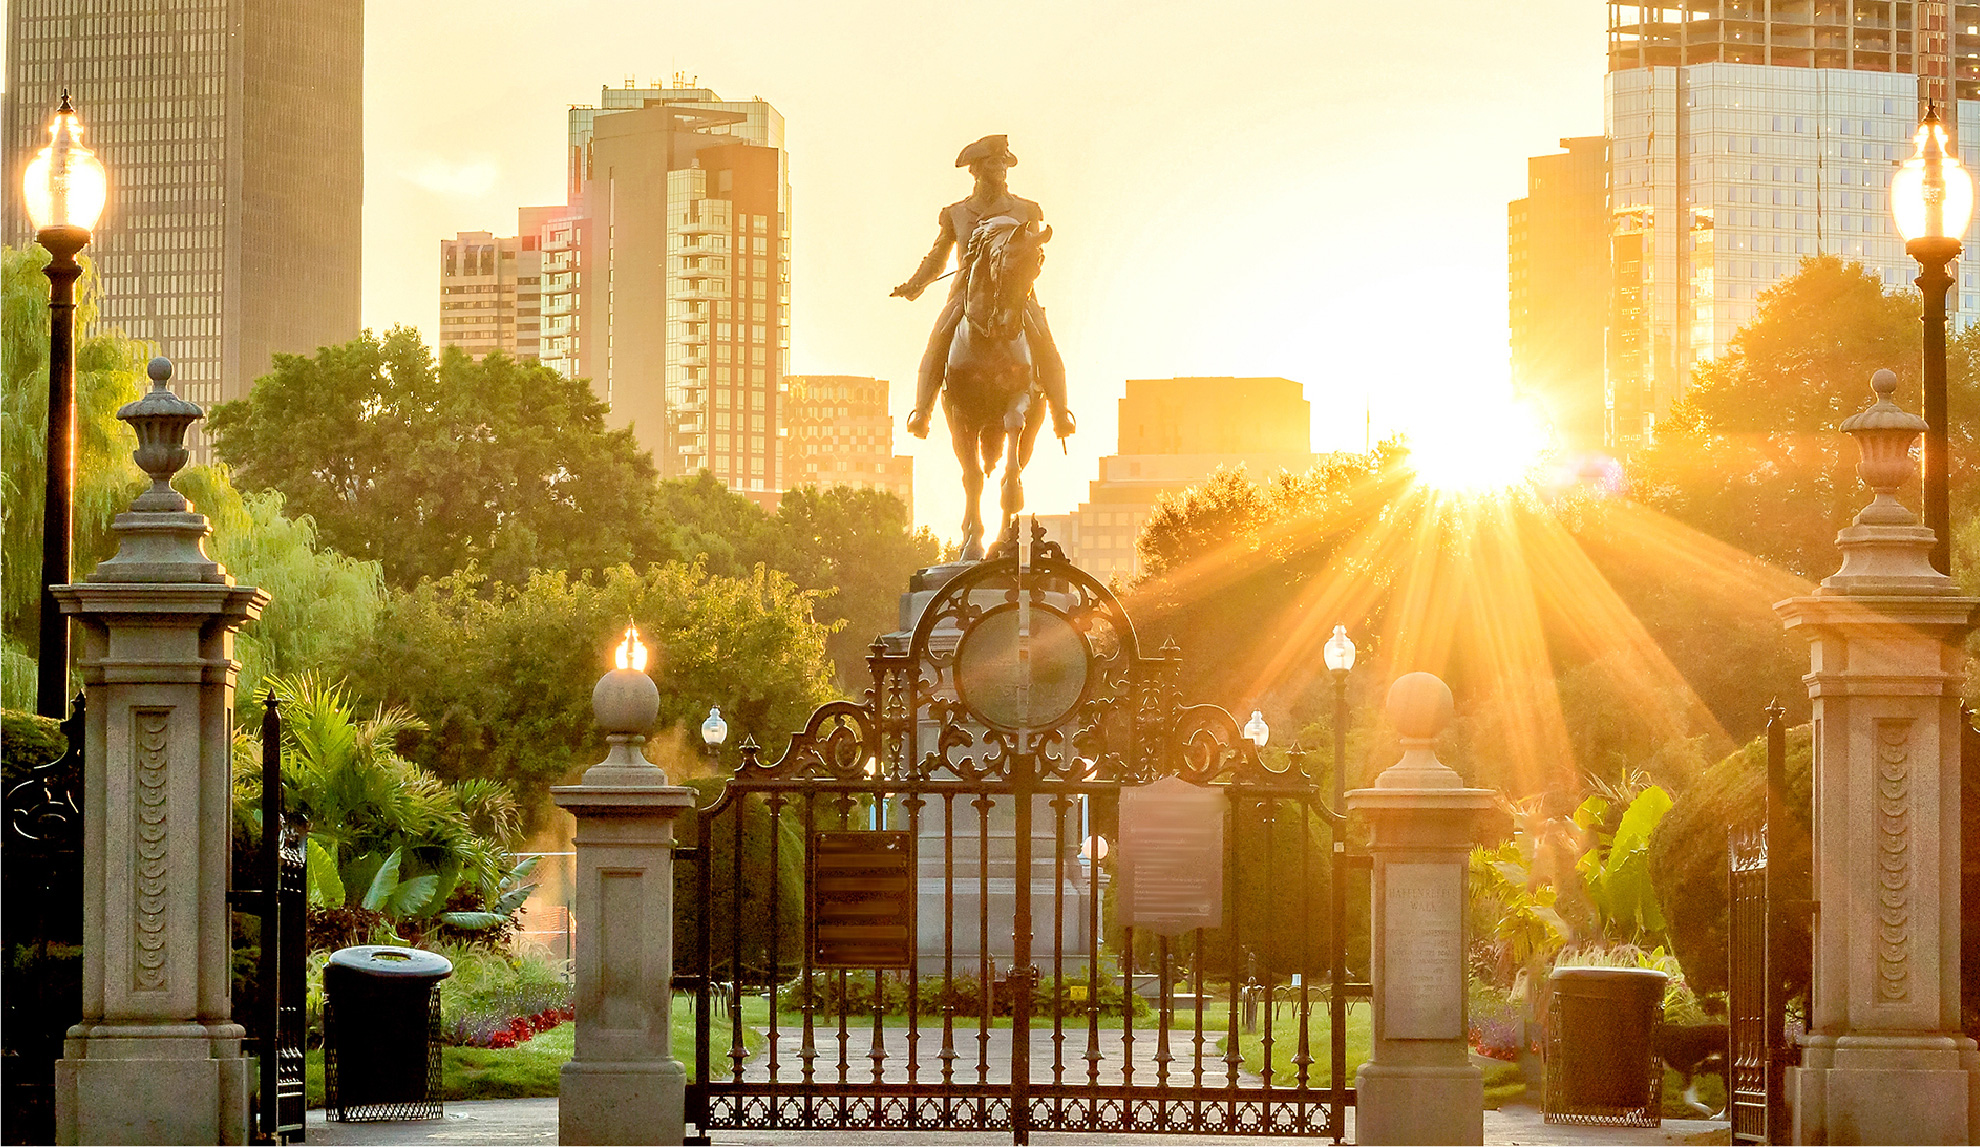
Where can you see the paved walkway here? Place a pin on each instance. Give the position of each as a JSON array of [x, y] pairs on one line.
[[503, 1121]]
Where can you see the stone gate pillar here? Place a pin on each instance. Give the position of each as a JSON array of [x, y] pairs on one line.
[[157, 1056], [1884, 1060], [623, 1084], [1419, 1085]]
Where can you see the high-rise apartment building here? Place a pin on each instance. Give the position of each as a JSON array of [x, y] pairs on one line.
[[491, 289], [666, 280], [1173, 433], [837, 431], [1557, 280], [232, 133], [1746, 135]]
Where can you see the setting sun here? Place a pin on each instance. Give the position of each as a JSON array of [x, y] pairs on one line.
[[1477, 447]]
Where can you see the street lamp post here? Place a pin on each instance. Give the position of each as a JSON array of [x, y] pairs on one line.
[[1339, 655], [1256, 730], [1931, 201], [714, 731], [63, 190]]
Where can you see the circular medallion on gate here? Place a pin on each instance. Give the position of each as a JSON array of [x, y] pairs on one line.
[[991, 680]]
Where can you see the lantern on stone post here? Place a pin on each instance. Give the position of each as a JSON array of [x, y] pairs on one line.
[[623, 1084]]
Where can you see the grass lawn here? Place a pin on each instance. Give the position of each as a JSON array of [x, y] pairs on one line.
[[530, 1070], [1285, 1044]]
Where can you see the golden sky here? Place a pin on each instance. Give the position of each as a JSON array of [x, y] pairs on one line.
[[1315, 190]]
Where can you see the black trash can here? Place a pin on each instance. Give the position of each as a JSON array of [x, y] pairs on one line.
[[1602, 1066], [381, 1034]]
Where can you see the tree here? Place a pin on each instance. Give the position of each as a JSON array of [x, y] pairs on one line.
[[429, 468], [320, 602], [853, 549], [109, 371], [502, 675], [1752, 455], [856, 550]]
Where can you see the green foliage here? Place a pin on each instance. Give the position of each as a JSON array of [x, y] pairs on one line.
[[426, 468], [503, 674], [1616, 871], [109, 373], [1751, 455], [829, 994], [387, 837], [1687, 856], [27, 742], [854, 549], [321, 603]]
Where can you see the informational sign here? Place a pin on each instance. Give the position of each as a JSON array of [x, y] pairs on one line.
[[1171, 858], [1423, 951], [862, 900]]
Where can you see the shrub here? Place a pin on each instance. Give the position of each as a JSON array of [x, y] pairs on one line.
[[1688, 854]]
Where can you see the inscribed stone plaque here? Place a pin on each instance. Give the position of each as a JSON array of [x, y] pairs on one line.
[[1423, 951], [1172, 856], [862, 900]]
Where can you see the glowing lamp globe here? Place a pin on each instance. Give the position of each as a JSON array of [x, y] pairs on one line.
[[1256, 730], [1340, 650], [714, 730], [1932, 193], [65, 185], [626, 701]]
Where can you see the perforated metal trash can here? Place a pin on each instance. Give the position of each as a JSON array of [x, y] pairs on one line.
[[1602, 1066], [381, 1034]]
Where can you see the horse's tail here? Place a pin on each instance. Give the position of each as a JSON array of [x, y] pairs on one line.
[[990, 448]]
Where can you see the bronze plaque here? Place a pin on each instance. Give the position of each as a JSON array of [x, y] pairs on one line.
[[862, 900], [1171, 859]]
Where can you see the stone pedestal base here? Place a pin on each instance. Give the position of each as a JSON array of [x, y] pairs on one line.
[[1887, 1089], [622, 1103], [1419, 1104], [166, 1083]]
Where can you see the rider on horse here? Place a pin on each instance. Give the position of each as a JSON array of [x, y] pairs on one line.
[[987, 160]]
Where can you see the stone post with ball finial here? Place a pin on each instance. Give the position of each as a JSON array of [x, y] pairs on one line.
[[623, 1084], [1419, 1085]]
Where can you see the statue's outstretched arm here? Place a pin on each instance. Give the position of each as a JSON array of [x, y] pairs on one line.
[[932, 264]]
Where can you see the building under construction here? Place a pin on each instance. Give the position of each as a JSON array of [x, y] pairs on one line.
[[1745, 136]]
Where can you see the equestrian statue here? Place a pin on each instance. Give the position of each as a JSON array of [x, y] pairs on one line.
[[991, 357]]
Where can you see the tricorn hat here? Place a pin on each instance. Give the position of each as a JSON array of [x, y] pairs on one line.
[[986, 147]]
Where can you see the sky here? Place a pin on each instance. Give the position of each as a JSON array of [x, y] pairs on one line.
[[1315, 190]]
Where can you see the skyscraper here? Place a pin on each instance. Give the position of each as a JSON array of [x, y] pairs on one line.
[[667, 278], [1557, 279], [1744, 137], [232, 131], [837, 431]]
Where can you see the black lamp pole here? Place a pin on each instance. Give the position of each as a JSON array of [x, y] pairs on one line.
[[51, 694], [1337, 906], [1935, 255]]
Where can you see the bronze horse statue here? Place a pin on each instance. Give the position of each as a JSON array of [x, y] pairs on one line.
[[991, 394]]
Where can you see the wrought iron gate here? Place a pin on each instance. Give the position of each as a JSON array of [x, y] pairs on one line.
[[1763, 901], [937, 851], [41, 923], [275, 1015]]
